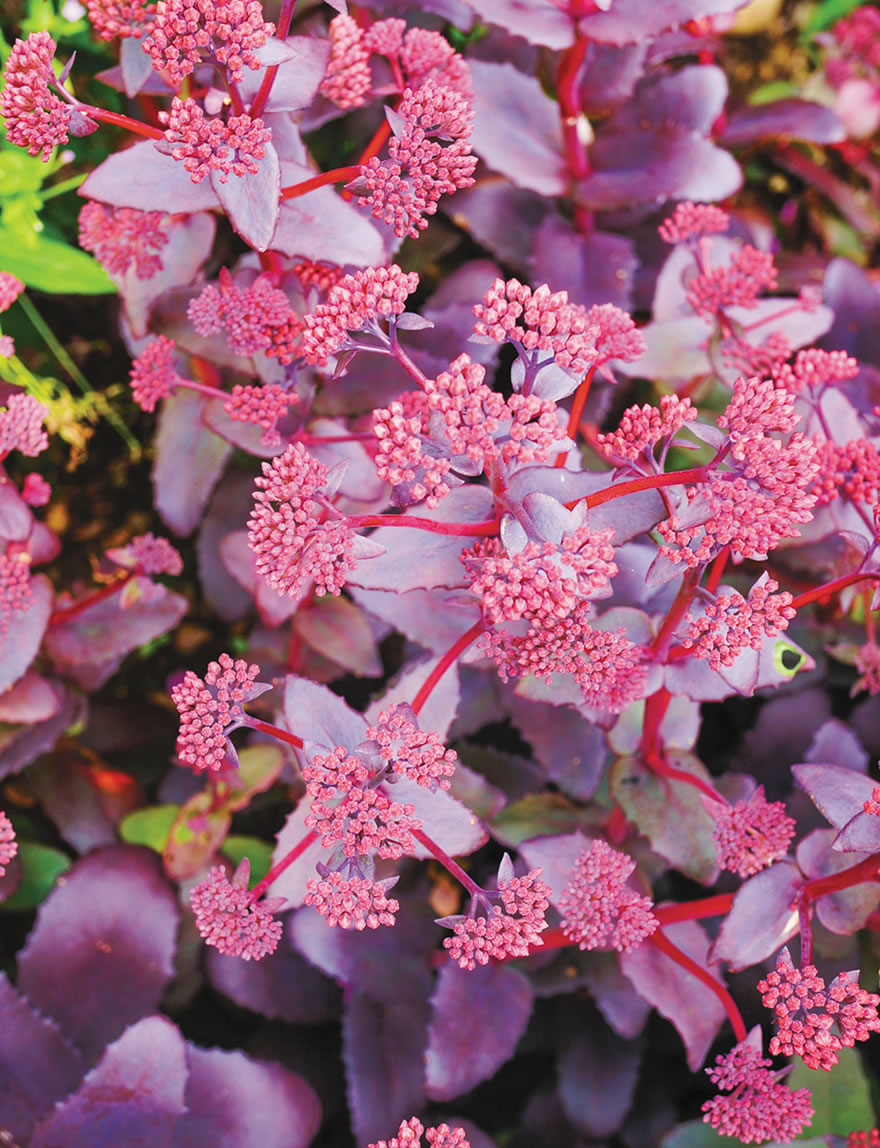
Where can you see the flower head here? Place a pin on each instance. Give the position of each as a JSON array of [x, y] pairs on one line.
[[15, 586], [538, 320], [814, 368], [10, 289], [146, 554], [120, 237], [347, 81], [615, 334], [36, 117], [510, 929], [732, 623], [120, 18], [738, 284], [751, 834], [208, 143], [692, 221], [21, 426], [806, 1012], [409, 1135], [262, 406], [186, 30], [227, 918], [352, 902], [8, 844], [36, 491], [759, 1107], [153, 373], [410, 752], [598, 910], [211, 708], [250, 315], [642, 428], [355, 303]]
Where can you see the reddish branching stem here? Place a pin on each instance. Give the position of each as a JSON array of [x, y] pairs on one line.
[[446, 861], [452, 654], [123, 121], [459, 529], [662, 943], [278, 868], [281, 32], [276, 732], [66, 613], [830, 588], [337, 175]]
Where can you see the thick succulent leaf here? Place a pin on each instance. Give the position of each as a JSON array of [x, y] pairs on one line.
[[142, 177], [689, 100], [339, 630], [112, 927], [846, 911], [670, 813], [535, 816], [837, 792], [32, 740], [571, 749], [24, 632], [438, 712], [538, 21], [241, 562], [135, 65], [383, 1047], [694, 1009], [297, 79], [227, 511], [251, 201], [762, 918], [133, 1097], [632, 21], [291, 884], [790, 119], [286, 988], [16, 518], [477, 1019], [860, 835], [598, 1071], [502, 218], [196, 835], [415, 559], [609, 76], [315, 714], [235, 1102], [38, 1067], [419, 615], [189, 460], [322, 225], [594, 268], [622, 1007], [516, 128], [33, 698]]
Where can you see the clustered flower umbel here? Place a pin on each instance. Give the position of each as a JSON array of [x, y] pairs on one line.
[[211, 708], [749, 835], [122, 237], [230, 921], [409, 1135], [8, 844], [598, 909], [206, 144], [184, 31]]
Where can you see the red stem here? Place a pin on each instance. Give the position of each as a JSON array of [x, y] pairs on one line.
[[858, 874], [374, 146], [717, 906], [830, 588], [716, 570], [456, 529], [648, 482], [65, 613], [122, 121], [657, 763], [281, 33], [655, 710], [577, 409], [446, 861], [458, 647], [337, 175], [278, 868], [274, 731], [660, 941]]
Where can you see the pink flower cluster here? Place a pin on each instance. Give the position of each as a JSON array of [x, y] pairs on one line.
[[36, 118], [120, 237], [352, 902], [347, 81], [538, 320], [738, 284], [263, 406], [511, 929], [409, 1135], [249, 315], [121, 18], [751, 834], [15, 586], [642, 428], [289, 529], [8, 844], [10, 289], [598, 909], [210, 709], [154, 374], [756, 407], [21, 426], [407, 751], [358, 302], [806, 1012], [228, 919], [205, 144], [693, 221], [732, 623], [814, 368], [758, 1106], [184, 31], [146, 554], [428, 157]]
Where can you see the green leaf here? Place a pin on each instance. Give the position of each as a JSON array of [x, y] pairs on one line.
[[50, 265], [198, 831], [770, 93], [258, 852], [150, 827], [840, 1097], [41, 866], [259, 766], [696, 1134], [539, 815], [828, 13]]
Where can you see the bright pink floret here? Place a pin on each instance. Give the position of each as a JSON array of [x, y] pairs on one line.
[[751, 834], [210, 709], [814, 368], [118, 18], [152, 555], [538, 320], [10, 289], [262, 406], [357, 302], [36, 118], [598, 909], [739, 284], [693, 220], [510, 930], [409, 1135], [184, 31], [410, 752], [732, 623], [36, 491], [208, 143], [153, 373], [8, 844], [642, 428], [347, 81], [759, 1107], [352, 902], [120, 237], [21, 426], [227, 918], [251, 316]]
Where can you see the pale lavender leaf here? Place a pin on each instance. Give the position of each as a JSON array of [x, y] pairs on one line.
[[144, 178], [762, 918], [22, 748], [517, 129], [538, 21], [24, 632], [321, 225], [632, 21], [291, 884], [571, 749], [33, 698], [597, 1073], [609, 76], [189, 461], [16, 519], [438, 712], [839, 793], [298, 77], [556, 856], [503, 218], [241, 562], [845, 911], [834, 743], [339, 630], [71, 798], [477, 1019], [789, 119], [314, 713], [420, 615], [694, 1009], [135, 65], [859, 835], [251, 201], [235, 1102], [38, 1066], [133, 1097], [112, 927], [228, 510], [593, 269], [622, 1007]]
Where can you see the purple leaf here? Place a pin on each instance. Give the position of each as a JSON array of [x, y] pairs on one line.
[[419, 615], [477, 1019], [791, 119], [694, 1009], [135, 65], [689, 100], [860, 835], [24, 633], [91, 645], [16, 519], [762, 919], [609, 76], [314, 713], [241, 562], [618, 1002], [538, 21], [321, 225], [299, 73], [632, 21], [503, 218], [189, 460], [597, 1074], [383, 1051], [33, 698], [37, 1065], [571, 749], [21, 749], [517, 129], [556, 856], [142, 177], [111, 926], [846, 911], [235, 1102], [251, 201], [594, 268], [339, 630], [228, 510], [286, 988], [837, 792], [133, 1097]]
